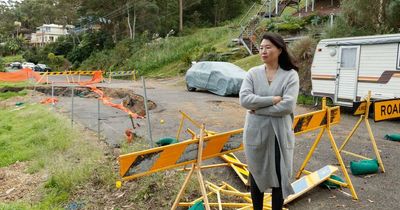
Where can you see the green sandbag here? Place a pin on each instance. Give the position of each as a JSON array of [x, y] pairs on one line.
[[166, 141], [393, 137], [197, 206], [330, 185], [364, 167]]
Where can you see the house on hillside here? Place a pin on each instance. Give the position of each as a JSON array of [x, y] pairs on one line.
[[48, 33]]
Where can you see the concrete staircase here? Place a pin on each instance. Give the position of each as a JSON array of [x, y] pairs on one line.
[[249, 37]]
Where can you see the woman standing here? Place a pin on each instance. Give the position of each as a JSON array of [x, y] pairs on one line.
[[269, 92]]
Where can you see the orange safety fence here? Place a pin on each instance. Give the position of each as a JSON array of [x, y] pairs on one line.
[[49, 101], [97, 78], [27, 73], [19, 76], [107, 101]]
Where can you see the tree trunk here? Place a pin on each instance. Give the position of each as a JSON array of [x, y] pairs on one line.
[[129, 22], [134, 26], [115, 33], [134, 22], [180, 15]]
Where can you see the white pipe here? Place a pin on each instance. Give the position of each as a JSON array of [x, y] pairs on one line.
[[331, 19]]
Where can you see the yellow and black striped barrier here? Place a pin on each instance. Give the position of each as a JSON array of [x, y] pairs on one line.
[[120, 73], [68, 73], [111, 74], [314, 120]]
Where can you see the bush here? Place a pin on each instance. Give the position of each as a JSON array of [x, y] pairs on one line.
[[286, 24], [36, 55], [2, 65]]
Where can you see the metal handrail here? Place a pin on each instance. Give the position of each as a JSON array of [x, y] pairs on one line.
[[241, 21]]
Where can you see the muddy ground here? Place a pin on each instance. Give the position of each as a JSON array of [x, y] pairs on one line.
[[377, 191]]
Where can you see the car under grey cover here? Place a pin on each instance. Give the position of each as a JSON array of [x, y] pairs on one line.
[[221, 78]]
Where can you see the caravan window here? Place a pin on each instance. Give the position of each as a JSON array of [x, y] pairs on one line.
[[398, 57], [348, 58]]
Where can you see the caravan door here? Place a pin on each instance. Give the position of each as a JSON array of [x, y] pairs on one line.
[[347, 75]]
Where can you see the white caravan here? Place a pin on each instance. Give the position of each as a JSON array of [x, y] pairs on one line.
[[345, 69]]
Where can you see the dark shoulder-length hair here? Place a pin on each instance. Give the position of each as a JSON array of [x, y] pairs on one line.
[[285, 60]]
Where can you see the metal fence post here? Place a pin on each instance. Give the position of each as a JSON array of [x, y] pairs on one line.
[[52, 94], [98, 118], [147, 113], [72, 106]]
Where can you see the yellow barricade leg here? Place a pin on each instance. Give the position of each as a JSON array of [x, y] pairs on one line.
[[342, 166], [374, 146], [310, 153], [351, 133], [364, 117]]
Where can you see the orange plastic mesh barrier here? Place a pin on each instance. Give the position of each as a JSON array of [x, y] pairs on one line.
[[107, 101], [97, 77], [27, 73], [19, 76], [49, 101]]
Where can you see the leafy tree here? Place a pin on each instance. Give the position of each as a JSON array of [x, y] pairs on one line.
[[357, 19], [393, 12], [7, 19], [14, 45], [90, 42]]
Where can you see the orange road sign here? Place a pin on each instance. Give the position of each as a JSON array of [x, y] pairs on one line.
[[387, 109], [145, 162]]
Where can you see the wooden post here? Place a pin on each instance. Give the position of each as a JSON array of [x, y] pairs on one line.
[[198, 168], [195, 167]]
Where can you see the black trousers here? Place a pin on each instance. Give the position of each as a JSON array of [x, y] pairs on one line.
[[277, 198]]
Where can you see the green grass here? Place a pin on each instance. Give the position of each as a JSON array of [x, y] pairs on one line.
[[152, 58], [13, 58], [177, 68], [7, 95], [14, 84], [50, 145], [75, 165], [305, 100], [249, 62]]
